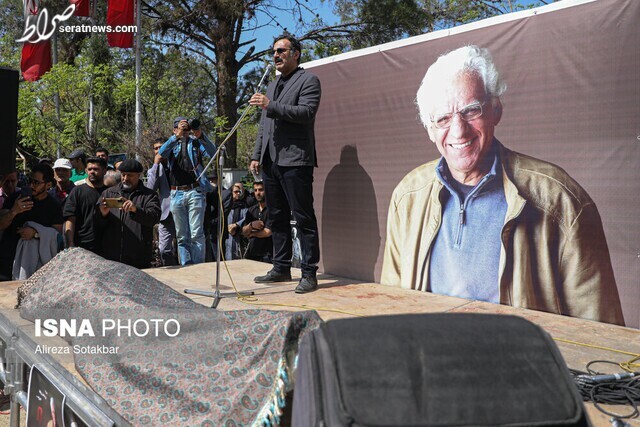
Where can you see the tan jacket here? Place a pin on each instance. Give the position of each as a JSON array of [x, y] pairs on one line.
[[554, 255]]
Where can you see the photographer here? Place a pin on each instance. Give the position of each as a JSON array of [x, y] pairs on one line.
[[184, 152]]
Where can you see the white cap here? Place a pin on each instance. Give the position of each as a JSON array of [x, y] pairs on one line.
[[62, 163]]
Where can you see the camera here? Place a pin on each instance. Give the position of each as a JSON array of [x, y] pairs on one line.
[[194, 124]]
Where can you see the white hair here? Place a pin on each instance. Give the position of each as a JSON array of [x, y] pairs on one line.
[[464, 60]]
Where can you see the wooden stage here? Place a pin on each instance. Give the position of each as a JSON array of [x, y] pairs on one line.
[[340, 297]]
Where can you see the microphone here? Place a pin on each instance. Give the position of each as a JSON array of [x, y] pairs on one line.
[[598, 379], [264, 78]]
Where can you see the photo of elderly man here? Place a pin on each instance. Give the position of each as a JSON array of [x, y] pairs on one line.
[[486, 223]]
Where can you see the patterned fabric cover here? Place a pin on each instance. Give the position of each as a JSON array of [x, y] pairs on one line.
[[222, 369]]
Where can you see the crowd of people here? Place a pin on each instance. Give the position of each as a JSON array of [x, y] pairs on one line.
[[109, 209]]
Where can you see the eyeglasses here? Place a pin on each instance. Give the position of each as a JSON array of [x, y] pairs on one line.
[[467, 113], [237, 192], [35, 181], [281, 50]]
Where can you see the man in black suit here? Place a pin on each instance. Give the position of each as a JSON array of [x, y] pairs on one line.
[[285, 148]]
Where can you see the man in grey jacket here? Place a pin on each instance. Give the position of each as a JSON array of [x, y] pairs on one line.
[[285, 148], [158, 180]]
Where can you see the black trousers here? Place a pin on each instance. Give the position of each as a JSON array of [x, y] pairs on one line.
[[290, 190]]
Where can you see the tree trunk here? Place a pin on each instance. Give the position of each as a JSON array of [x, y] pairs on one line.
[[227, 87]]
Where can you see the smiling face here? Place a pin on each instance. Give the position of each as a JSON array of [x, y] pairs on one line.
[[465, 144], [284, 58]]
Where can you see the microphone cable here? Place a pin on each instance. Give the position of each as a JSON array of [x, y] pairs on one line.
[[609, 389]]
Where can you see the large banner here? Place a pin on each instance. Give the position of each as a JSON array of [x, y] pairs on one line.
[[573, 99]]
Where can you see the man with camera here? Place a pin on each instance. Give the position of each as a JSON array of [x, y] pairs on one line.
[[128, 211], [184, 152]]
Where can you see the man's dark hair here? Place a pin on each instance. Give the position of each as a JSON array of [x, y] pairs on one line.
[[159, 140], [46, 170], [261, 183], [99, 160], [102, 150], [295, 43], [9, 171]]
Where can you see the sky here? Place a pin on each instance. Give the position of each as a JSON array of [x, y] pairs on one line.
[[265, 35]]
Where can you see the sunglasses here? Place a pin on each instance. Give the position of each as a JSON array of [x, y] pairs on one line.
[[281, 50]]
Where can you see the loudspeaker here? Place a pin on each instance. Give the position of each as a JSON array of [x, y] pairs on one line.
[[8, 118], [433, 370]]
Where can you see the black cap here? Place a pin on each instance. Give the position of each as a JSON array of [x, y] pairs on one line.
[[177, 121], [76, 154], [130, 165]]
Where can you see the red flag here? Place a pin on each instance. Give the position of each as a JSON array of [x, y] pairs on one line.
[[36, 60], [82, 7], [120, 12]]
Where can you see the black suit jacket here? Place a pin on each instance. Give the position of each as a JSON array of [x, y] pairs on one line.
[[286, 126]]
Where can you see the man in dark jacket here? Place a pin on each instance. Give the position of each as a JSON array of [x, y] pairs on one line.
[[129, 212], [285, 150]]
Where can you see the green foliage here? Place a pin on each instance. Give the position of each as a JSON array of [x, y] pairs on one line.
[[247, 134], [382, 21], [39, 126], [193, 64]]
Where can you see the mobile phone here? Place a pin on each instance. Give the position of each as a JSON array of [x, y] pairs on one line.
[[256, 177], [25, 191], [114, 202]]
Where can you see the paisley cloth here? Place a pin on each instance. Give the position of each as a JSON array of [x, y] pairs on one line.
[[219, 369]]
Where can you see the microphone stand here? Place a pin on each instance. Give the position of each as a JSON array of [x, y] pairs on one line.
[[216, 294]]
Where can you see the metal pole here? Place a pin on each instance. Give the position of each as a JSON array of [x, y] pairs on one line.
[[138, 73], [56, 96], [92, 119]]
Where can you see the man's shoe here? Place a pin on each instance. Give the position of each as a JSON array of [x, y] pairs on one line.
[[273, 276], [307, 284]]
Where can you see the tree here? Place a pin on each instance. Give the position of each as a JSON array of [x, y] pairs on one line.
[[213, 30], [382, 21]]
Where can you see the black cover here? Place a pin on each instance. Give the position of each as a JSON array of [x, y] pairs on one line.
[[433, 369]]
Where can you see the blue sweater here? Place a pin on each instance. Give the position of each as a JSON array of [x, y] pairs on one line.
[[466, 252]]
